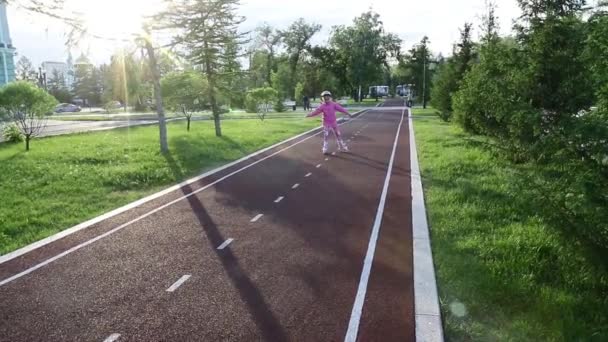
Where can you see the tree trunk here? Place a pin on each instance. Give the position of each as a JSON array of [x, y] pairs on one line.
[[162, 125], [212, 99], [188, 127], [27, 142]]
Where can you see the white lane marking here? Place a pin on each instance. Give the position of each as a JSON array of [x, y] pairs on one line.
[[279, 199], [225, 244], [112, 338], [308, 174], [295, 186], [179, 283], [326, 159], [318, 166], [333, 153], [355, 317], [256, 218], [151, 212]]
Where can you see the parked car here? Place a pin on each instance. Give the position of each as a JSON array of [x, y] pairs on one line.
[[67, 108]]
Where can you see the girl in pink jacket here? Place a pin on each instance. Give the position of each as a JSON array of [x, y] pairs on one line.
[[330, 123]]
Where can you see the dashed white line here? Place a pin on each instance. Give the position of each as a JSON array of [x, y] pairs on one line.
[[295, 186], [225, 244], [151, 212], [257, 217], [179, 283], [333, 153], [279, 199], [326, 159], [112, 338], [308, 174], [319, 165]]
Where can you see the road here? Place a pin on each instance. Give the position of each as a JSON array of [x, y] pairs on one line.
[[272, 248]]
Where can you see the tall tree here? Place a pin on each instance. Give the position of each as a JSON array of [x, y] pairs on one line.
[[87, 82], [24, 70], [451, 73], [374, 47], [297, 40], [205, 29], [269, 39], [58, 88]]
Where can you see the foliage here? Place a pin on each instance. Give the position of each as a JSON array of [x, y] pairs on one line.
[[11, 133]]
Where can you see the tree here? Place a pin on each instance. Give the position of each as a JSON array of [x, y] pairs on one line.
[[26, 105], [297, 40], [24, 70], [205, 30], [362, 66], [451, 73], [145, 42], [420, 61], [57, 87], [184, 92], [263, 99], [87, 82], [269, 39]]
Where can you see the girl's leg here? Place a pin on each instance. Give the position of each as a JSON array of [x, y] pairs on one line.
[[325, 135], [341, 144]]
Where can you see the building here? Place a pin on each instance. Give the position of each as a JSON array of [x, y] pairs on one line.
[[52, 68], [7, 51]]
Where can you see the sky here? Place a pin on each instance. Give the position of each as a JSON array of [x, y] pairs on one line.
[[43, 39]]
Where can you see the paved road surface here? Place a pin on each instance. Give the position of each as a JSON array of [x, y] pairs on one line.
[[271, 249]]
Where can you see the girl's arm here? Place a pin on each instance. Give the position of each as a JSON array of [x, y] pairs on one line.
[[315, 112], [341, 109]]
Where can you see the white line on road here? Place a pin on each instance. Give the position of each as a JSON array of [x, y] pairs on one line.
[[179, 283], [295, 186], [112, 338], [333, 153], [308, 175], [355, 317], [257, 217], [29, 248], [318, 166], [279, 199], [326, 159], [225, 244]]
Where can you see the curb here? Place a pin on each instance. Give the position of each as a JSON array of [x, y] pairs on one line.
[[426, 300]]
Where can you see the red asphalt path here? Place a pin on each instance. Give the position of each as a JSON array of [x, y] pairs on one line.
[[294, 230]]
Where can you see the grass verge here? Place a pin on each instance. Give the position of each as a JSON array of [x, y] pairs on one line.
[[506, 269], [65, 180]]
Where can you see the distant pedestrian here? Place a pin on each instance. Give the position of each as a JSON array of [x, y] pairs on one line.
[[306, 102], [330, 123]]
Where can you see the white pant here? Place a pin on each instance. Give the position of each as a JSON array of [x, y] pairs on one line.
[[326, 130]]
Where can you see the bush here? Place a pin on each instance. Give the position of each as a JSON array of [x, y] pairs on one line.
[[251, 106], [279, 107], [12, 134]]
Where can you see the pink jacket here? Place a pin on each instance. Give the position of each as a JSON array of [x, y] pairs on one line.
[[329, 110]]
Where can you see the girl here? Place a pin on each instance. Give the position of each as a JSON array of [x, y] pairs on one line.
[[330, 124]]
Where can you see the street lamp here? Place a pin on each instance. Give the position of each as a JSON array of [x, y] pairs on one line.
[[423, 78]]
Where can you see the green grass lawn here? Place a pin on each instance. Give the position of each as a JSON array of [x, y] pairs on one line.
[[506, 270], [65, 180]]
